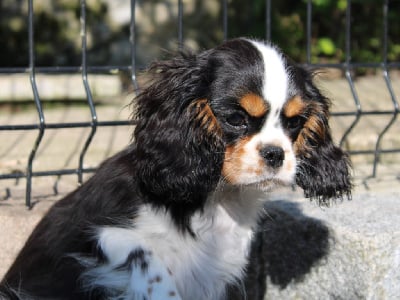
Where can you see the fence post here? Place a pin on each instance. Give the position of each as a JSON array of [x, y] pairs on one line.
[[38, 104], [89, 97]]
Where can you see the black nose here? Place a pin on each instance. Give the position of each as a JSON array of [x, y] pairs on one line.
[[273, 155]]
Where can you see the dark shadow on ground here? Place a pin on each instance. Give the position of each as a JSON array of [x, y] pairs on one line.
[[287, 245]]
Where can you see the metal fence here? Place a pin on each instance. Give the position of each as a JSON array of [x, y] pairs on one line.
[[41, 127]]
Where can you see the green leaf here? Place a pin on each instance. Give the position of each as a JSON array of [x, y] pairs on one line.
[[326, 46], [342, 4]]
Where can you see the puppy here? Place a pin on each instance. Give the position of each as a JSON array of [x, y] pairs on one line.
[[172, 216]]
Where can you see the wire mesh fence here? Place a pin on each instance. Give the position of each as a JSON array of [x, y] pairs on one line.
[[354, 112]]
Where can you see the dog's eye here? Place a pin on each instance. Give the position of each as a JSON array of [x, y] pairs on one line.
[[236, 119], [295, 122]]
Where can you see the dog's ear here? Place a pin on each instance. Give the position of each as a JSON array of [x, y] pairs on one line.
[[324, 173], [179, 150], [324, 170]]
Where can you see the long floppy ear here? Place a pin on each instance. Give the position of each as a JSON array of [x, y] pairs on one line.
[[179, 150], [324, 168]]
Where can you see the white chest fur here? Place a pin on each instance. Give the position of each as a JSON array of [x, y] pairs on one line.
[[200, 266]]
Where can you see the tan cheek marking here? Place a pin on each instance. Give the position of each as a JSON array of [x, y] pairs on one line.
[[232, 162], [289, 165], [256, 170], [254, 105], [294, 107], [300, 145], [314, 126], [233, 167], [206, 117]]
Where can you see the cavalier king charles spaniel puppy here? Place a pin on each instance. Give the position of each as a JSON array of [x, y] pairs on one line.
[[172, 216]]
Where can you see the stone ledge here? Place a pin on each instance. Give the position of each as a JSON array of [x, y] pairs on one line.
[[348, 251], [363, 261], [17, 87]]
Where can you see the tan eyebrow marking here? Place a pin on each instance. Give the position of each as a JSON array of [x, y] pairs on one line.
[[254, 105], [294, 107]]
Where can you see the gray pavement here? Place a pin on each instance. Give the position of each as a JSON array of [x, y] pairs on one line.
[[362, 260]]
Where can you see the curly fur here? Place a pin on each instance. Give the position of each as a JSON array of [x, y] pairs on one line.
[[172, 216]]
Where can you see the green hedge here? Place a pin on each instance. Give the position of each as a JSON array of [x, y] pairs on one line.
[[57, 39]]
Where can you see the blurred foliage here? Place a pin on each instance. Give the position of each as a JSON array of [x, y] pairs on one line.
[[58, 41], [328, 32], [56, 33]]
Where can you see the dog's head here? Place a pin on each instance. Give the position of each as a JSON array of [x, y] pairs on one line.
[[241, 114]]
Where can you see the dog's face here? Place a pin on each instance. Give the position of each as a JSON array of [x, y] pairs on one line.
[[241, 114], [250, 99]]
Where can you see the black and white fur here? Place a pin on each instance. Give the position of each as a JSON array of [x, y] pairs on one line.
[[172, 216]]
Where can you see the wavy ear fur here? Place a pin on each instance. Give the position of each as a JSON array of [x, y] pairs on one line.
[[324, 170], [324, 173], [179, 151]]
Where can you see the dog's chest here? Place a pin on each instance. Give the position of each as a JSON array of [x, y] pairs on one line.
[[200, 266]]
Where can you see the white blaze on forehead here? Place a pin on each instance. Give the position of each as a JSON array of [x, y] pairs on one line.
[[275, 77], [245, 164], [275, 89]]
